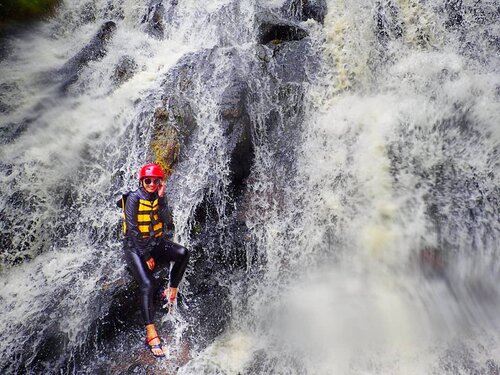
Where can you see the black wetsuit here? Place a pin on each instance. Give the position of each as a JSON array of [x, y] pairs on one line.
[[138, 250]]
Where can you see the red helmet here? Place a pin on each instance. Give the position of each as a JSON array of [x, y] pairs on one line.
[[151, 170]]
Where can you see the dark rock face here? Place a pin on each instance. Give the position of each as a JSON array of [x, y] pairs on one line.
[[16, 11], [209, 305], [271, 32], [125, 70], [94, 51], [455, 11], [389, 25], [154, 19], [159, 13], [262, 93], [302, 10], [284, 67], [294, 62], [315, 9], [8, 91], [64, 78]]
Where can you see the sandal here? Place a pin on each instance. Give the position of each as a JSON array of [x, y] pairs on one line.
[[156, 346]]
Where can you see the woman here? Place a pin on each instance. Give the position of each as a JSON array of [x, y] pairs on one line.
[[146, 214]]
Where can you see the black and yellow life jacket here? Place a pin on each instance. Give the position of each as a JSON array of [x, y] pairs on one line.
[[148, 218]]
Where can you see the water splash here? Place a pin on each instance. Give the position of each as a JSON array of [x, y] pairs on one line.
[[397, 156], [394, 152], [67, 150]]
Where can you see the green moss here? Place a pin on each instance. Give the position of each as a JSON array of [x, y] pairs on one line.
[[196, 229], [165, 145], [16, 11], [179, 119]]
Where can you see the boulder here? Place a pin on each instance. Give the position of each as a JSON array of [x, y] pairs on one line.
[[302, 10], [93, 51], [272, 32], [124, 70], [21, 12], [153, 19]]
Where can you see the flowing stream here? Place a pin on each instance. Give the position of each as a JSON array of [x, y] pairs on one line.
[[371, 206]]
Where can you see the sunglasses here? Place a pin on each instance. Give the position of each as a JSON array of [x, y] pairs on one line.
[[150, 181]]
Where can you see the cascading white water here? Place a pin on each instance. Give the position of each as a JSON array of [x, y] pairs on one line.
[[391, 136], [65, 155], [397, 153]]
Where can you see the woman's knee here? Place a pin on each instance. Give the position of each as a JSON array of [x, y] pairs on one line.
[[185, 254], [146, 286]]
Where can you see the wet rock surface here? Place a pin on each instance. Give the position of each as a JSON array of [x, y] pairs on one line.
[[303, 10], [94, 51], [284, 68], [154, 19], [280, 32], [17, 13], [267, 72], [125, 69]]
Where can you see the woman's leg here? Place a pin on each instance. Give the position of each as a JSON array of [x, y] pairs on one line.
[[146, 291], [180, 255], [172, 252], [146, 285]]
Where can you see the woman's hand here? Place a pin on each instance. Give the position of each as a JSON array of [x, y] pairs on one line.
[[161, 190], [150, 263]]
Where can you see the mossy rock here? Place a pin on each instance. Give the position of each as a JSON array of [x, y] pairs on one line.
[[165, 144], [19, 11]]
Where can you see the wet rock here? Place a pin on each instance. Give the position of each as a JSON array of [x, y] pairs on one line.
[[280, 32], [283, 67], [302, 10], [94, 51], [264, 53], [293, 62], [315, 9], [174, 119], [209, 302], [389, 25], [454, 10], [125, 70], [17, 11], [282, 25], [159, 14], [432, 261], [88, 12], [206, 310], [48, 342], [232, 103], [237, 129], [165, 144], [4, 108], [10, 96], [55, 343], [11, 131], [154, 19]]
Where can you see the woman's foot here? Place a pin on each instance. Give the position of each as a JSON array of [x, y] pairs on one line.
[[153, 341]]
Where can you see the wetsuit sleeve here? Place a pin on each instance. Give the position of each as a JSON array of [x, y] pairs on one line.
[[140, 244]]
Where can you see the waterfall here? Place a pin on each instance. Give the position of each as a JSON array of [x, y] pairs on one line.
[[357, 231]]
